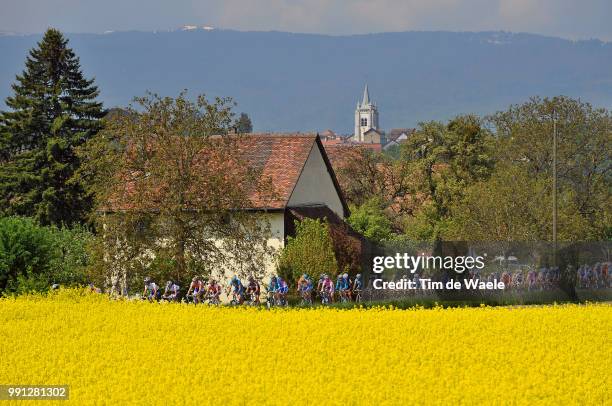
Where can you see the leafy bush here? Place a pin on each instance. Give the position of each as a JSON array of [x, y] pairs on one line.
[[370, 220], [311, 251], [33, 257]]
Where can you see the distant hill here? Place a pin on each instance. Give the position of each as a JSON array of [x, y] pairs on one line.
[[312, 82]]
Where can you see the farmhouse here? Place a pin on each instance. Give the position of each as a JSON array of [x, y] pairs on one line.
[[304, 186], [302, 177]]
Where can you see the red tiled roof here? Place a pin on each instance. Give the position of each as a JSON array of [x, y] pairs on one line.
[[280, 158], [277, 158]]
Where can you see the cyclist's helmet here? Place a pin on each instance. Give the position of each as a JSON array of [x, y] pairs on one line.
[[147, 280], [358, 276], [194, 279], [345, 275]]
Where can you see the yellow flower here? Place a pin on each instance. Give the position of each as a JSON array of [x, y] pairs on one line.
[[121, 352]]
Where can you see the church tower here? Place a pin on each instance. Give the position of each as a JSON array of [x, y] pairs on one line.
[[366, 116]]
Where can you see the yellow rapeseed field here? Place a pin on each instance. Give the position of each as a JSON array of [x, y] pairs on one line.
[[113, 352]]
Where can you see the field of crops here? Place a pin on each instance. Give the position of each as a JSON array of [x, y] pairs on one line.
[[142, 353]]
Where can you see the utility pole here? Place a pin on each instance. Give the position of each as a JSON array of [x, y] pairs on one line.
[[554, 208]]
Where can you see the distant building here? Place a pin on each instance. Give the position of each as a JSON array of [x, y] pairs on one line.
[[366, 118], [368, 133], [397, 136], [373, 136], [330, 137]]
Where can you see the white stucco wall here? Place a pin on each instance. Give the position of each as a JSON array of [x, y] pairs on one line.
[[315, 185], [276, 220]]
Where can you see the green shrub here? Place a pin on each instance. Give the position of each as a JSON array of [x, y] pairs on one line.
[[311, 251], [33, 257], [370, 220]]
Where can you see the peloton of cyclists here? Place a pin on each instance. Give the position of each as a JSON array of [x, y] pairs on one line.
[[278, 289]]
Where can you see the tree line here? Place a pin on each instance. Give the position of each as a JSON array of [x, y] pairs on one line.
[[489, 178]]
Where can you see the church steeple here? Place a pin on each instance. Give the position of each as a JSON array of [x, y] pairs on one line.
[[366, 96], [366, 116]]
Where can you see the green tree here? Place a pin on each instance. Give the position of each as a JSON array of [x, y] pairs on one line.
[[311, 251], [584, 163], [443, 160], [514, 206], [243, 125], [52, 111], [370, 220], [173, 190]]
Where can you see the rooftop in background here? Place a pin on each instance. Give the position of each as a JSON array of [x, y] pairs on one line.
[[279, 158]]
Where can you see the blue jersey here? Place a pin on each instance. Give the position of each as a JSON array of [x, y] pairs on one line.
[[342, 284], [237, 286]]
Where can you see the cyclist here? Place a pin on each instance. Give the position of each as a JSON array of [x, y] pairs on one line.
[[339, 284], [150, 289], [253, 289], [604, 274], [320, 282], [171, 291], [213, 292], [517, 279], [344, 289], [531, 279], [273, 286], [236, 289], [283, 289], [357, 285], [304, 288], [507, 279], [327, 289], [196, 288]]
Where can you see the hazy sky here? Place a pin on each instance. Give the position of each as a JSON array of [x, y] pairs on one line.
[[576, 19]]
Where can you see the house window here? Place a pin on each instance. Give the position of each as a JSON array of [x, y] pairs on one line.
[[364, 122]]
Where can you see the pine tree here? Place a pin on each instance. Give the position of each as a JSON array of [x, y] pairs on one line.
[[243, 124], [53, 111]]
